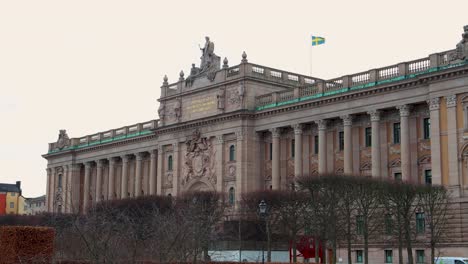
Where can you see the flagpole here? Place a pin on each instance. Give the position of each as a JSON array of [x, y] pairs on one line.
[[310, 56]]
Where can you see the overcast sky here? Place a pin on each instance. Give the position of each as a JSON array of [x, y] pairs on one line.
[[89, 66]]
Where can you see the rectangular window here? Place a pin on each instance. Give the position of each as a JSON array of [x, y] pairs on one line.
[[397, 176], [419, 256], [13, 194], [12, 205], [427, 128], [359, 225], [316, 144], [388, 224], [293, 148], [359, 258], [420, 223], [388, 256], [396, 133], [428, 177], [271, 151], [368, 134], [341, 140], [60, 181]]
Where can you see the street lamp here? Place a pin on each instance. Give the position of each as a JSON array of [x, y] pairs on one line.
[[262, 208]]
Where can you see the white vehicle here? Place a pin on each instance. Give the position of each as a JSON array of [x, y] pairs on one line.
[[451, 260]]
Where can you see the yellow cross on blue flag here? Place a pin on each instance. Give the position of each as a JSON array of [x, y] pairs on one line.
[[317, 41]]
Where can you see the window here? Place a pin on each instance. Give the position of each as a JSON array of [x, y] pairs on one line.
[[397, 176], [359, 258], [359, 225], [428, 177], [388, 224], [232, 153], [169, 163], [293, 148], [396, 133], [341, 140], [59, 185], [388, 256], [419, 256], [13, 194], [231, 197], [271, 151], [12, 205], [368, 135], [316, 144], [420, 223], [427, 128]]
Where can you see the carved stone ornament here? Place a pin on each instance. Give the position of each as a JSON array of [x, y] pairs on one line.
[[451, 100], [63, 140], [220, 98], [424, 146], [267, 170], [161, 111], [395, 163], [209, 64], [236, 96], [199, 159], [461, 51], [231, 171], [425, 159], [434, 103]]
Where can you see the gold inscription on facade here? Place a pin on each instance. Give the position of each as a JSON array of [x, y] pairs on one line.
[[201, 105]]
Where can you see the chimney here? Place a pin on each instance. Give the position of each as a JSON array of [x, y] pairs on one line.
[[18, 184]]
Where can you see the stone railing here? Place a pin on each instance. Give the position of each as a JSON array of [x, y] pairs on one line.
[[108, 136], [241, 71], [355, 81]]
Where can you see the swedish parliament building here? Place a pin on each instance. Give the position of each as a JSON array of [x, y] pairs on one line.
[[241, 128]]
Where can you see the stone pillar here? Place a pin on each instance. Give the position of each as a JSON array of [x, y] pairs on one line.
[[52, 190], [139, 158], [348, 144], [48, 188], [99, 168], [160, 171], [66, 189], [434, 107], [239, 164], [375, 142], [219, 162], [152, 172], [86, 186], [298, 150], [275, 163], [454, 179], [175, 169], [124, 188], [111, 193], [405, 142], [322, 155]]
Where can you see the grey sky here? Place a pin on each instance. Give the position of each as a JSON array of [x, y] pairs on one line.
[[89, 66]]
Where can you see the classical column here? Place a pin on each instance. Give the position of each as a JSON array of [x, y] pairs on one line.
[[52, 190], [99, 167], [86, 185], [48, 188], [451, 101], [375, 142], [124, 188], [405, 142], [66, 188], [152, 172], [160, 171], [111, 193], [348, 145], [322, 155], [139, 159], [297, 149], [175, 169], [219, 162], [239, 156], [275, 163], [434, 107]]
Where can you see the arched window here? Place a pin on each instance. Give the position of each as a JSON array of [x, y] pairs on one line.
[[59, 181], [169, 163], [232, 153], [231, 196], [293, 148]]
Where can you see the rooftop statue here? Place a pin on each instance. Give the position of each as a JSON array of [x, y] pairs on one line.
[[461, 52], [207, 54], [209, 63]]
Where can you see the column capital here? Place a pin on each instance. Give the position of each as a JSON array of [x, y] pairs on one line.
[[88, 164], [49, 171], [374, 115], [275, 132], [139, 156], [240, 134], [175, 145], [100, 163], [347, 120], [153, 153], [451, 100], [322, 124], [220, 139], [112, 160], [404, 110], [434, 103], [298, 129], [125, 158]]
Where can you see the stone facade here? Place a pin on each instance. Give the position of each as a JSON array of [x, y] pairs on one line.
[[250, 127]]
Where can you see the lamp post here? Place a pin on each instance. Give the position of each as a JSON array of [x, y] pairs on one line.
[[263, 212]]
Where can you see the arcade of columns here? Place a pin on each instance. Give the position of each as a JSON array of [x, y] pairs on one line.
[[156, 159]]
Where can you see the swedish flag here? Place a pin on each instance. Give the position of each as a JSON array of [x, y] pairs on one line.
[[317, 41]]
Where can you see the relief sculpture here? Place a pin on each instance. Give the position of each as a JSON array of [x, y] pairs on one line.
[[199, 160]]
